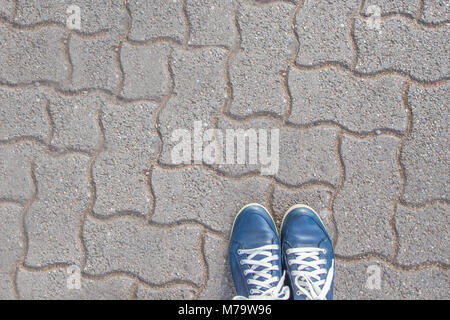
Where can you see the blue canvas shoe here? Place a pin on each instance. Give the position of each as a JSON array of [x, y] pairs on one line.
[[255, 255], [307, 253]]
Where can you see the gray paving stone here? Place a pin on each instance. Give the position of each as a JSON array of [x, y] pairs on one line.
[[131, 142], [267, 43], [74, 120], [423, 234], [199, 94], [304, 155], [407, 7], [358, 104], [427, 283], [256, 90], [11, 248], [156, 255], [168, 293], [220, 283], [53, 220], [193, 194], [99, 16], [425, 154], [146, 236], [316, 197], [94, 63], [6, 8], [156, 19], [403, 47], [273, 34], [199, 72], [145, 71], [22, 114], [120, 186], [247, 129], [364, 204], [129, 128], [16, 183], [211, 22], [30, 56], [52, 285], [436, 11], [323, 29]]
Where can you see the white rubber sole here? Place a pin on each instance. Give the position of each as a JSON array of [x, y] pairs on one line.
[[248, 205], [295, 206]]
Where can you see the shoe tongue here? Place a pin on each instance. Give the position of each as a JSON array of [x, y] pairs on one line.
[[273, 273], [310, 269]]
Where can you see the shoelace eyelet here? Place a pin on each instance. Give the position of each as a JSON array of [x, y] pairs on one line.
[[298, 293], [239, 251], [261, 262]]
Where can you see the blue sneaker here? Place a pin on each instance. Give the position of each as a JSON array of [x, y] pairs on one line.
[[255, 255], [307, 253]]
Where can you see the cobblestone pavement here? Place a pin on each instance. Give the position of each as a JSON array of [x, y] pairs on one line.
[[358, 89]]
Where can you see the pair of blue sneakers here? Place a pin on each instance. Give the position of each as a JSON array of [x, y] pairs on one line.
[[258, 256]]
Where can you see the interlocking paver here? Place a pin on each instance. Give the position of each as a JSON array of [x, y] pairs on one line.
[[304, 155], [170, 293], [203, 196], [11, 249], [358, 104], [156, 255], [364, 204], [199, 93], [219, 285], [423, 234], [94, 63], [6, 8], [323, 29], [400, 46], [436, 11], [351, 282], [16, 183], [98, 16], [74, 120], [30, 56], [211, 22], [256, 70], [87, 139], [385, 7], [145, 71], [121, 186], [156, 19], [131, 142], [23, 114], [53, 220], [53, 285], [316, 197], [425, 154]]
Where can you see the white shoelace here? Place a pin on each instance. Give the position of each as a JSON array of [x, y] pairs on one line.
[[309, 282], [262, 278]]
